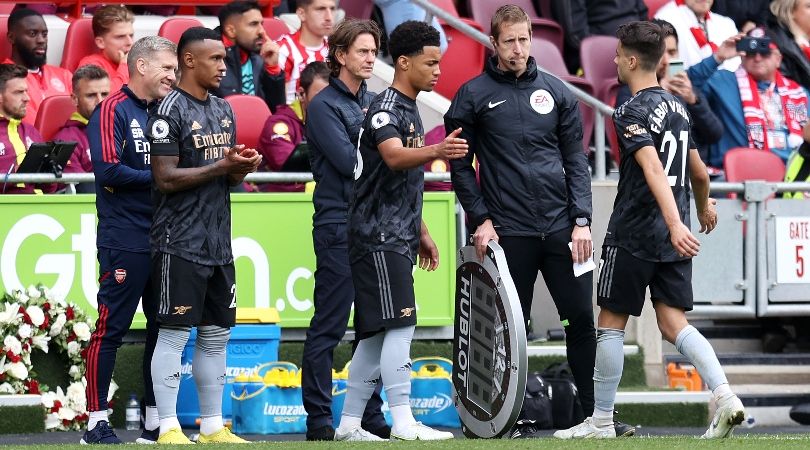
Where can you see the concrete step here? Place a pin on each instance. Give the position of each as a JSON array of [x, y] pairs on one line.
[[760, 368]]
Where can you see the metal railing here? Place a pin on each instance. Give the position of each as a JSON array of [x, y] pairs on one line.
[[600, 109]]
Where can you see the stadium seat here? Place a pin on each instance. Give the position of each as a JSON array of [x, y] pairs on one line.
[[358, 9], [447, 5], [548, 57], [53, 112], [596, 55], [172, 29], [79, 43], [742, 164], [585, 110], [483, 10], [463, 60], [274, 28], [5, 45], [653, 6], [250, 114], [548, 30]]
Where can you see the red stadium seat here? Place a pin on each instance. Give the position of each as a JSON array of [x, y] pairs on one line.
[[358, 9], [596, 55], [585, 111], [483, 10], [275, 28], [447, 5], [742, 164], [79, 42], [172, 29], [548, 56], [654, 5], [250, 113], [548, 30], [53, 112], [463, 60], [5, 45]]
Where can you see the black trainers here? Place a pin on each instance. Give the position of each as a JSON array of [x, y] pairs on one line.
[[523, 429], [383, 431], [623, 429], [101, 434], [149, 436], [325, 433]]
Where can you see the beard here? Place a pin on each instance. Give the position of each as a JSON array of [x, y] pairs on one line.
[[31, 59]]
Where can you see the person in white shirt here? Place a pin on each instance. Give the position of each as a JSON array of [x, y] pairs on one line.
[[700, 31]]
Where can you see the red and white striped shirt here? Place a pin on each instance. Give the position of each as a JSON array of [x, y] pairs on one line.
[[293, 57]]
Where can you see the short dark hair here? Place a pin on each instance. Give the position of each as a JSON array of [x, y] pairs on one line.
[[344, 36], [194, 34], [410, 38], [508, 14], [644, 39], [313, 71], [303, 3], [19, 14], [236, 8], [88, 72], [10, 72], [669, 30]]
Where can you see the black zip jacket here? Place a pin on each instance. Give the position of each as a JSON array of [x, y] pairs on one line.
[[334, 119], [527, 135]]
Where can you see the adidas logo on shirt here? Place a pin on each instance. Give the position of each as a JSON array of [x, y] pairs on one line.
[[195, 126]]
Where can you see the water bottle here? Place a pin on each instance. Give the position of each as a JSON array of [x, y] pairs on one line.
[[133, 413]]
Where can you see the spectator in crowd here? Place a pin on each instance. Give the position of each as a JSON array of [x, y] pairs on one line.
[[306, 45], [746, 14], [759, 107], [112, 31], [706, 127], [91, 85], [283, 132], [789, 26], [15, 136], [700, 31], [28, 35], [394, 12], [251, 57], [583, 18]]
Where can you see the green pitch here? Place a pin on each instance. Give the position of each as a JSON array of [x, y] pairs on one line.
[[759, 441]]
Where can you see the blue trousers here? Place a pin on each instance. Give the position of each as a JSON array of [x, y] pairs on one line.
[[334, 294], [124, 278]]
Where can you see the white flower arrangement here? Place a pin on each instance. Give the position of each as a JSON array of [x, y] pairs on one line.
[[33, 318]]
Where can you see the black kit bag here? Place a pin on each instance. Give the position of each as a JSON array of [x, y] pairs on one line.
[[565, 405], [537, 402]]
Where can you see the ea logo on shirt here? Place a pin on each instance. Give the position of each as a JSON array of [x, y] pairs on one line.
[[380, 120], [160, 129], [541, 101]]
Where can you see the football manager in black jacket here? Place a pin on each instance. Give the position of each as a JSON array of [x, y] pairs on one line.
[[534, 198]]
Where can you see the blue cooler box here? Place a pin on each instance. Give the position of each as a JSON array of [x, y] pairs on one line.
[[249, 347]]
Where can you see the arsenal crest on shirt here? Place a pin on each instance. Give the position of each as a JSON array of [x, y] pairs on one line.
[[120, 275]]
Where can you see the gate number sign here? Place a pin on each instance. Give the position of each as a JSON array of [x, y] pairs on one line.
[[793, 250]]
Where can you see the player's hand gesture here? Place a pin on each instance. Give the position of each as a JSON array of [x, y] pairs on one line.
[[269, 51], [483, 234], [708, 217], [241, 160], [428, 253], [685, 243], [452, 147]]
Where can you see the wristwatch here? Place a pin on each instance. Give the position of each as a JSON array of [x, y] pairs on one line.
[[583, 222]]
